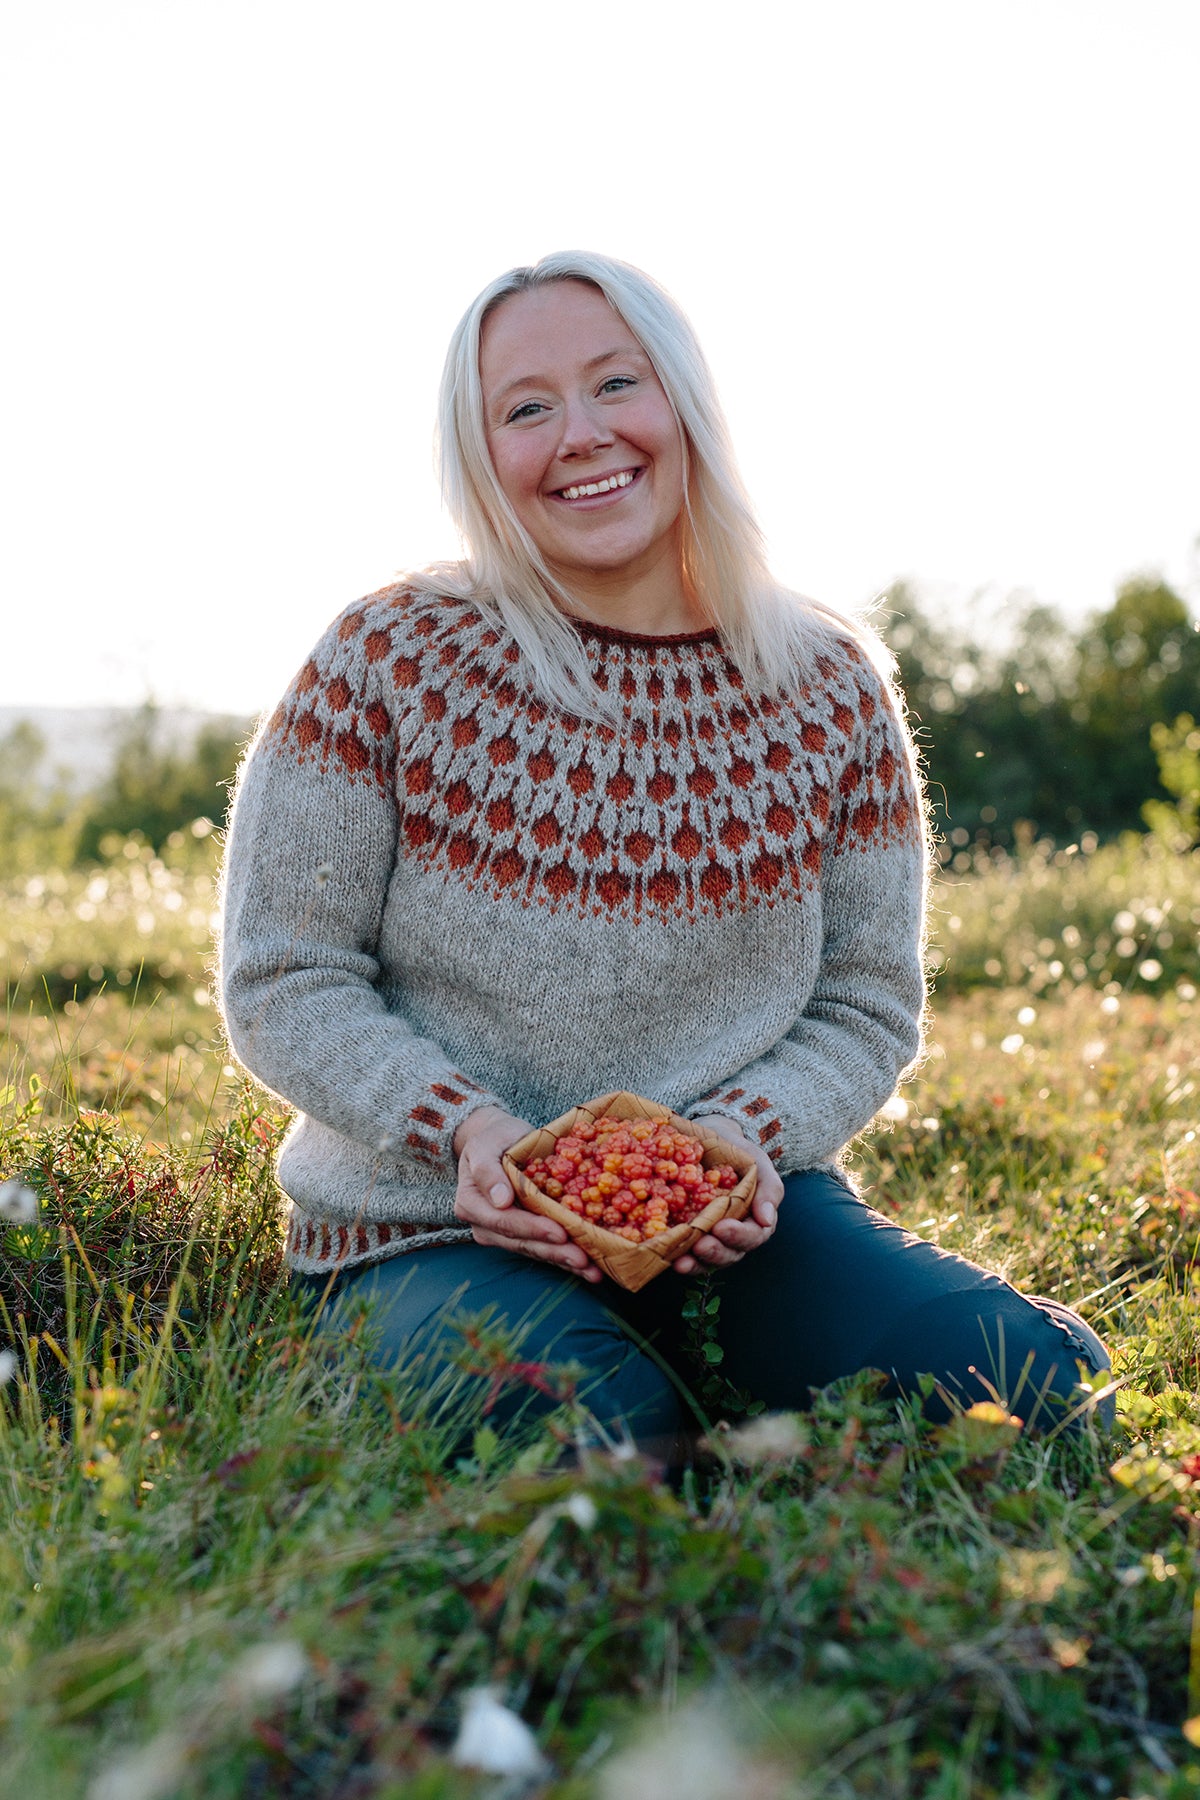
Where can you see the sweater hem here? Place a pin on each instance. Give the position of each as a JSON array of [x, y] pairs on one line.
[[314, 1248]]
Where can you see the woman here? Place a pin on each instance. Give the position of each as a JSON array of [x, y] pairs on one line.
[[600, 807]]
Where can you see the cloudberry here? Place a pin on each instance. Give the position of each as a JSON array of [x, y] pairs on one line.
[[634, 1178]]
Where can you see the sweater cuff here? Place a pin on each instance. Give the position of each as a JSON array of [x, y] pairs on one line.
[[427, 1135], [753, 1114]]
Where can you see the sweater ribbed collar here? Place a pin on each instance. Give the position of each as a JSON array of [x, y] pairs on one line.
[[610, 634]]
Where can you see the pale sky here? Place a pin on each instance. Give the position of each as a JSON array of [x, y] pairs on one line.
[[942, 255]]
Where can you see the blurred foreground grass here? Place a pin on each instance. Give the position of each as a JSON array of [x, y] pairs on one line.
[[229, 1568]]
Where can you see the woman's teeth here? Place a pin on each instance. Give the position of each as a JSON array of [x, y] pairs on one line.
[[598, 487]]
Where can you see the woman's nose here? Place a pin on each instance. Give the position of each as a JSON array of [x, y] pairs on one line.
[[584, 430]]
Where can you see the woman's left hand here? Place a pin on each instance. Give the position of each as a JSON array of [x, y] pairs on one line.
[[729, 1241]]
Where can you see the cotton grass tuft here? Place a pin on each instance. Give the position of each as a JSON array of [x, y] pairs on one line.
[[495, 1740], [18, 1203]]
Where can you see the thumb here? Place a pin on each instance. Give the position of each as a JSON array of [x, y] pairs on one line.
[[490, 1179], [763, 1209]]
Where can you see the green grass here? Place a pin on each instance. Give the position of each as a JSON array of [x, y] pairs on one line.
[[849, 1603], [1121, 917]]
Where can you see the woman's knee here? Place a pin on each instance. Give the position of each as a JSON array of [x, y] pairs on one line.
[[1036, 1357], [528, 1337]]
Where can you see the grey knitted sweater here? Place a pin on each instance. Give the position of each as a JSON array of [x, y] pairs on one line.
[[440, 894]]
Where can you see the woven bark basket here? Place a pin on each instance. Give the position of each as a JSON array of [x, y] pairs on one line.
[[632, 1265]]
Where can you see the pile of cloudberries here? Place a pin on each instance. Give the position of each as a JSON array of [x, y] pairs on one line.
[[635, 1178]]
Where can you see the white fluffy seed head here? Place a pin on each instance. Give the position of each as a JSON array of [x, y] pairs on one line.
[[268, 1671], [581, 1508], [494, 1740], [152, 1773], [693, 1754], [8, 1366], [773, 1437], [18, 1203]]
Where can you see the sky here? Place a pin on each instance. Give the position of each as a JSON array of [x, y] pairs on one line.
[[942, 257]]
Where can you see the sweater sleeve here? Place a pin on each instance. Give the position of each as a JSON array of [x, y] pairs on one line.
[[826, 1078], [309, 857]]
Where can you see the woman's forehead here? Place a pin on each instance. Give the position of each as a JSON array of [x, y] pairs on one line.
[[560, 320]]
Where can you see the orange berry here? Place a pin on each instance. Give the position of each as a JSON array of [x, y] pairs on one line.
[[636, 1178]]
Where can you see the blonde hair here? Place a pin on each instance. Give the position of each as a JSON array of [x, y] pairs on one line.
[[769, 632]]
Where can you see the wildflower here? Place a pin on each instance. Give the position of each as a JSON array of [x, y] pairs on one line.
[[494, 1740], [18, 1203], [268, 1671], [895, 1109], [8, 1366]]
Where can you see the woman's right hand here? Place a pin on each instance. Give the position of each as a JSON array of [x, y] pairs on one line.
[[485, 1200]]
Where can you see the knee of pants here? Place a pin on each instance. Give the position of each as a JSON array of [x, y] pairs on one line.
[[550, 1328], [622, 1387], [995, 1343]]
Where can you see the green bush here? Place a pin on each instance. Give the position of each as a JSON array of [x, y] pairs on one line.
[[156, 791], [1030, 724], [1177, 821]]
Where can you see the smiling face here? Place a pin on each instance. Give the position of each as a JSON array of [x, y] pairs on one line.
[[584, 442]]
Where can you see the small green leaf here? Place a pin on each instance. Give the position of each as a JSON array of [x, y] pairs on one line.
[[485, 1445], [713, 1353]]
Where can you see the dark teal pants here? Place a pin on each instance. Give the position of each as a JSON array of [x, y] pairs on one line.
[[838, 1288]]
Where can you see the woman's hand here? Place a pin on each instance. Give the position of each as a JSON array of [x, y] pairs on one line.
[[485, 1200], [729, 1241]]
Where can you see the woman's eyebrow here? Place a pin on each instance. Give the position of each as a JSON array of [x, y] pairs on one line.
[[622, 354], [619, 355]]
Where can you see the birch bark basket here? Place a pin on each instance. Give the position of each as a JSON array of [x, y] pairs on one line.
[[632, 1265]]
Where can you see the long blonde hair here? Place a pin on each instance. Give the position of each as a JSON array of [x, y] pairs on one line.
[[769, 632]]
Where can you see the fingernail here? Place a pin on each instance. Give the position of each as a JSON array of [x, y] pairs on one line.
[[766, 1213], [499, 1196]]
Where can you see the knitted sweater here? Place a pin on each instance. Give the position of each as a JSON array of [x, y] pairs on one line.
[[440, 894]]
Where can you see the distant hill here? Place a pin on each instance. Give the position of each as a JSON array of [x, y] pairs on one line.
[[80, 741]]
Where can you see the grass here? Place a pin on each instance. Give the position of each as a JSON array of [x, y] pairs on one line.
[[228, 1567], [1120, 917]]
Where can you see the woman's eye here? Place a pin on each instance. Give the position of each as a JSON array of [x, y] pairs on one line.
[[528, 409], [615, 383]]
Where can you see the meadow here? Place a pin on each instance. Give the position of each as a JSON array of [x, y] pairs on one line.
[[229, 1566]]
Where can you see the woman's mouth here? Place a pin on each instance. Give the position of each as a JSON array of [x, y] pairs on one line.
[[605, 484]]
